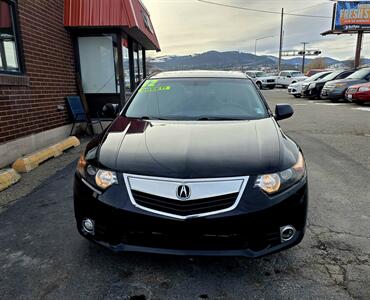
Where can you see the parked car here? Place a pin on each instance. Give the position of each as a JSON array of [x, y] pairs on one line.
[[261, 79], [194, 164], [311, 72], [312, 90], [336, 89], [359, 93], [295, 89], [285, 78]]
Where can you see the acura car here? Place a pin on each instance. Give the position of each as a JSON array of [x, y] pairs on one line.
[[336, 89], [194, 164]]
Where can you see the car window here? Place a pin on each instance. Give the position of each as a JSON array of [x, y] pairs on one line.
[[192, 99], [261, 74], [296, 74], [333, 75], [344, 75], [283, 74]]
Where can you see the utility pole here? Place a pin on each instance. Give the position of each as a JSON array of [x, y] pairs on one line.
[[303, 54], [281, 38], [358, 49]]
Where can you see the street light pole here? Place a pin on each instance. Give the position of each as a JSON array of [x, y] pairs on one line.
[[281, 38], [303, 54], [261, 38]]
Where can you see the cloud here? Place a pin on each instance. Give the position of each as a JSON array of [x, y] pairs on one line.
[[189, 26]]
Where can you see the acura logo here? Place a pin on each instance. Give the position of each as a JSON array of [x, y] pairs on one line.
[[183, 192]]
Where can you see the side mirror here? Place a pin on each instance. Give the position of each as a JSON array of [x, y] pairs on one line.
[[110, 110], [283, 111]]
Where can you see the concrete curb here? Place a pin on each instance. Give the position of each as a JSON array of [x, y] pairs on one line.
[[7, 178], [32, 161]]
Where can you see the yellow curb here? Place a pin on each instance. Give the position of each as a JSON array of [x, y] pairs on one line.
[[32, 161], [7, 178]]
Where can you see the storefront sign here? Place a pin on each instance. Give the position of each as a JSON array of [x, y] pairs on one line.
[[352, 16]]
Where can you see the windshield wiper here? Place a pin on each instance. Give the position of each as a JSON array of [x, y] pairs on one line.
[[212, 118], [149, 118]]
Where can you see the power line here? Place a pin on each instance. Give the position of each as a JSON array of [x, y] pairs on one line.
[[262, 11]]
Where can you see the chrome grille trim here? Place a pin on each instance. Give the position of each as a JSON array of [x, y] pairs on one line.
[[242, 179]]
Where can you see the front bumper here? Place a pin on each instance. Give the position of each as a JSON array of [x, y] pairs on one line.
[[335, 94], [269, 85], [294, 91], [246, 231]]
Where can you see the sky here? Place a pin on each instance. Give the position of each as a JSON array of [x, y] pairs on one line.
[[189, 26]]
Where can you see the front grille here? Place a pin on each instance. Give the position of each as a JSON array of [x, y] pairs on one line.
[[184, 208], [270, 80]]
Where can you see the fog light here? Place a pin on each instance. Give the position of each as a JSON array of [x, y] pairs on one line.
[[287, 233], [88, 226]]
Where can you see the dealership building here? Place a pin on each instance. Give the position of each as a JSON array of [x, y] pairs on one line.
[[53, 49]]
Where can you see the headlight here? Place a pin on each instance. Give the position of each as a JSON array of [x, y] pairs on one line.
[[263, 80], [97, 177], [312, 85], [364, 89], [273, 183], [104, 179], [339, 85]]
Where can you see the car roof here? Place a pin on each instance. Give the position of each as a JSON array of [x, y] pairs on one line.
[[291, 71], [199, 74]]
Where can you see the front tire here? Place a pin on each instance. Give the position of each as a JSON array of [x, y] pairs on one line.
[[259, 84]]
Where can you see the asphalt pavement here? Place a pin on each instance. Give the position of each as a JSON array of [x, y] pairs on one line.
[[43, 257]]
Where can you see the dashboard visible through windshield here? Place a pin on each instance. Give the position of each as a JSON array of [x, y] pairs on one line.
[[197, 99]]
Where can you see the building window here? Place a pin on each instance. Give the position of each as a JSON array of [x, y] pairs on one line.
[[126, 67], [97, 64], [9, 54]]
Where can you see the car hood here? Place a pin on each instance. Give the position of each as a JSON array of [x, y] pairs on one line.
[[347, 81], [196, 149], [360, 85]]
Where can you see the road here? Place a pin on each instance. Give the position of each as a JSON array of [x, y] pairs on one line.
[[43, 256]]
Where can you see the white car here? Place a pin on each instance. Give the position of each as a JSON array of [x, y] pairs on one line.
[[295, 89], [262, 79], [285, 78]]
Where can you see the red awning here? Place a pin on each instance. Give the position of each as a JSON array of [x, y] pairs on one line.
[[128, 14]]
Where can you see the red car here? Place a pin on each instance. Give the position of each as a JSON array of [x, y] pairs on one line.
[[359, 93]]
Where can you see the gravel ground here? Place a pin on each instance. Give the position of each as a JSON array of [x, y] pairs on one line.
[[42, 255]]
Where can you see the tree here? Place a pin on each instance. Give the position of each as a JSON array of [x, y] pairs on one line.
[[317, 63]]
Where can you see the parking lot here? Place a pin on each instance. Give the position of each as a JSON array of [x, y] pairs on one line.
[[43, 256]]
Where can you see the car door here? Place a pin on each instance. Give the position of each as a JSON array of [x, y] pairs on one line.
[[281, 78]]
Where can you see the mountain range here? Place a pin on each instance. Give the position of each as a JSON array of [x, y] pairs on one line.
[[230, 60]]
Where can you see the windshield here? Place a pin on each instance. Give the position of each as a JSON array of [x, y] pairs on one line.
[[296, 74], [197, 99], [261, 74], [316, 76], [332, 75], [360, 74]]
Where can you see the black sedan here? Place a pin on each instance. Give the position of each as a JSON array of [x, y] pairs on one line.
[[194, 164], [335, 90], [312, 90]]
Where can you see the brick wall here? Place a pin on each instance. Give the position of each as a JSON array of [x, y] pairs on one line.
[[29, 104]]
